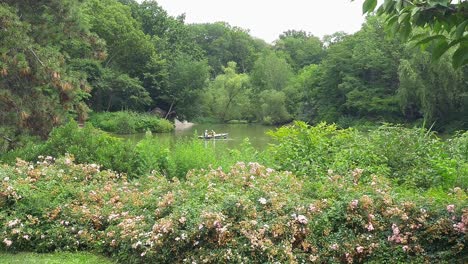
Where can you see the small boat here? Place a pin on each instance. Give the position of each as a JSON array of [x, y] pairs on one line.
[[215, 136]]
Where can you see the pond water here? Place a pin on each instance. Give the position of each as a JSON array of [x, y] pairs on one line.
[[256, 134]]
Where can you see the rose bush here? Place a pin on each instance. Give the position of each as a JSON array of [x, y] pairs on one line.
[[249, 213]]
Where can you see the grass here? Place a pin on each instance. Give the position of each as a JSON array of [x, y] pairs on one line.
[[52, 258]]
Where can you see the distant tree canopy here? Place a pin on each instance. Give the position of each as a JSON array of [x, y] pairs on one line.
[[438, 25], [300, 48]]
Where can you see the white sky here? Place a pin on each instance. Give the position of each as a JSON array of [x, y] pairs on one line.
[[267, 19]]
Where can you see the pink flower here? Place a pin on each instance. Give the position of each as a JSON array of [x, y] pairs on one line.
[[354, 204], [370, 227], [460, 227], [451, 208], [334, 246], [7, 242], [302, 219], [405, 248], [396, 234], [359, 249]]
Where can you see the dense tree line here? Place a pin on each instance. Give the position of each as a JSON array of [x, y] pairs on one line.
[[62, 58]]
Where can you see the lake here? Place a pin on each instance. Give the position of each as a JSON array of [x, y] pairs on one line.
[[237, 133]]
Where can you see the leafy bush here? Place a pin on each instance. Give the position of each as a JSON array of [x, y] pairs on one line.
[[175, 159], [249, 214], [413, 157], [125, 122]]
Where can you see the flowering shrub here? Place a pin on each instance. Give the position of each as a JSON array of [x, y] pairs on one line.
[[249, 213]]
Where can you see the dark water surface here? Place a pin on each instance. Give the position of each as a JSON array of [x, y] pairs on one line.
[[256, 134]]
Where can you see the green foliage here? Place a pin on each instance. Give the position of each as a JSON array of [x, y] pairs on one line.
[[228, 96], [273, 108], [115, 91], [411, 157], [300, 49], [223, 43], [433, 90], [270, 72], [89, 145], [357, 78], [444, 24], [188, 79], [37, 88], [113, 22], [130, 122]]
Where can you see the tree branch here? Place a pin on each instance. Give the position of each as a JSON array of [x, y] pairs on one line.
[[35, 55]]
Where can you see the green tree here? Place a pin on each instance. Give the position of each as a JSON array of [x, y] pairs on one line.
[[270, 72], [38, 89], [273, 108], [300, 48], [187, 80], [358, 78], [114, 91], [128, 47], [435, 91], [223, 43], [228, 96]]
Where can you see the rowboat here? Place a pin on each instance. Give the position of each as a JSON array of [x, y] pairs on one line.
[[215, 136]]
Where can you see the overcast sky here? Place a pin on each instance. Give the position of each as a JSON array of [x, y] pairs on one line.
[[267, 19]]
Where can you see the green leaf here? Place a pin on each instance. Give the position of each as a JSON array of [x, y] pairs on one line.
[[369, 6], [440, 48], [460, 57], [461, 29], [405, 30], [415, 10], [426, 40], [399, 5], [388, 5], [456, 41], [403, 17]]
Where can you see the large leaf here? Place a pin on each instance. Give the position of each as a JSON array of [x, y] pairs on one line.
[[440, 48], [426, 40], [460, 57], [461, 29], [369, 6]]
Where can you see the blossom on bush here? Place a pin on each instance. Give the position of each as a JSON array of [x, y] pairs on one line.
[[7, 242]]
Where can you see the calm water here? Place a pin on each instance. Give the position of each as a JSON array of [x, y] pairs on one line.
[[237, 133]]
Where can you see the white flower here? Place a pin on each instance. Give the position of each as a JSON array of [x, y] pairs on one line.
[[262, 200], [6, 179]]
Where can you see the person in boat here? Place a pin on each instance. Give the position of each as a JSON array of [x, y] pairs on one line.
[[206, 133], [212, 133]]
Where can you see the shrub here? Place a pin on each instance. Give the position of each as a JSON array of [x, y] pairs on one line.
[[413, 157], [175, 159], [249, 214], [125, 122]]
